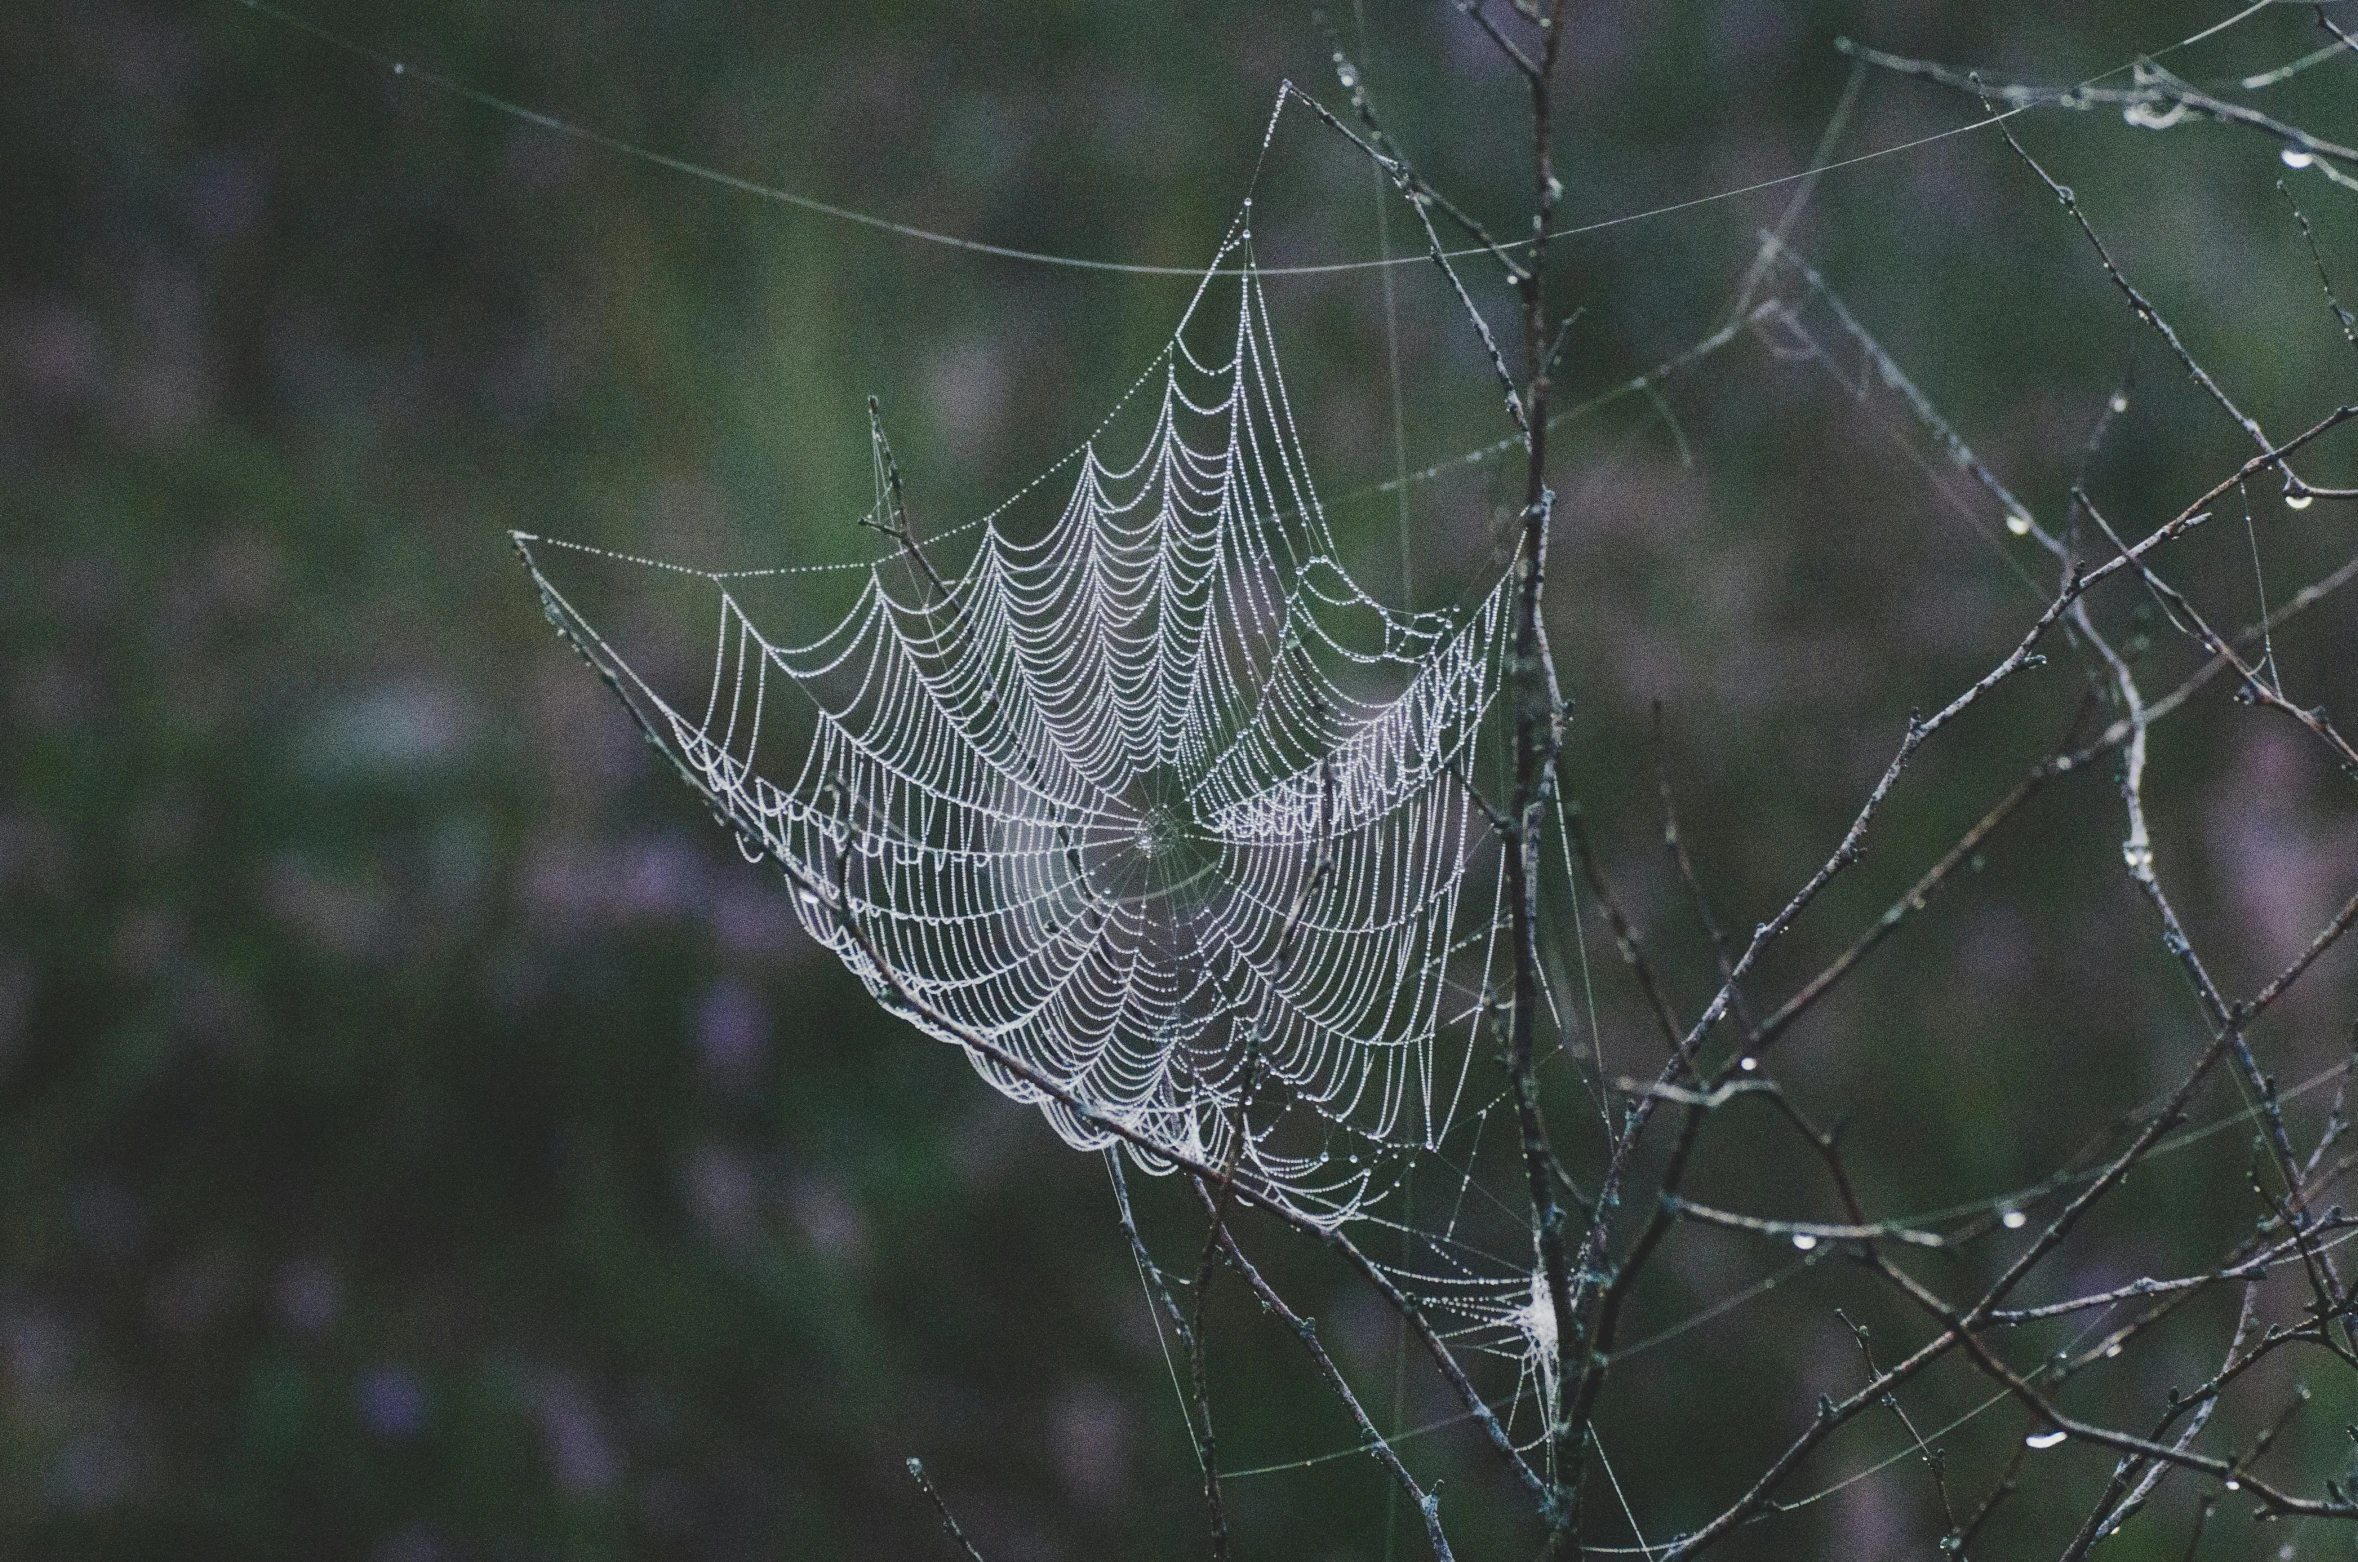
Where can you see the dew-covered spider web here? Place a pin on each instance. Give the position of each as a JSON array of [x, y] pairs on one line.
[[1146, 805], [1153, 811]]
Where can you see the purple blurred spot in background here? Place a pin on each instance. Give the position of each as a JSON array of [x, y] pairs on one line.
[[307, 1295], [391, 1402], [732, 1035]]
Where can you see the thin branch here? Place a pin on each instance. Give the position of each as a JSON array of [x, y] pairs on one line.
[[950, 1527], [2160, 96], [892, 511], [1374, 1440], [2064, 761], [1625, 935], [2120, 1501], [1832, 1415], [1914, 900], [1674, 842], [1421, 201], [1388, 157], [1811, 1231], [2262, 691], [1925, 1451], [2269, 1496], [2024, 655], [2341, 317], [2151, 316], [2249, 1269], [1964, 1535], [1218, 1203], [2326, 22]]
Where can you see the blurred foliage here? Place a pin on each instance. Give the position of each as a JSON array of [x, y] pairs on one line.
[[420, 1137]]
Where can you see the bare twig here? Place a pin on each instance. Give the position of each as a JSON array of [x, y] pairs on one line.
[[941, 1509], [1674, 842], [1427, 1505], [891, 516], [2156, 94], [1625, 934], [2146, 312]]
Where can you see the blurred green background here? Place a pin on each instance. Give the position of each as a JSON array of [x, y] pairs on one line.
[[422, 1138]]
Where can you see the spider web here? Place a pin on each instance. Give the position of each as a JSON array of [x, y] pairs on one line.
[[1154, 798], [1150, 794]]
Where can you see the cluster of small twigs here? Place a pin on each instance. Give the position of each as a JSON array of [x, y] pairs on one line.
[[1595, 1237]]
